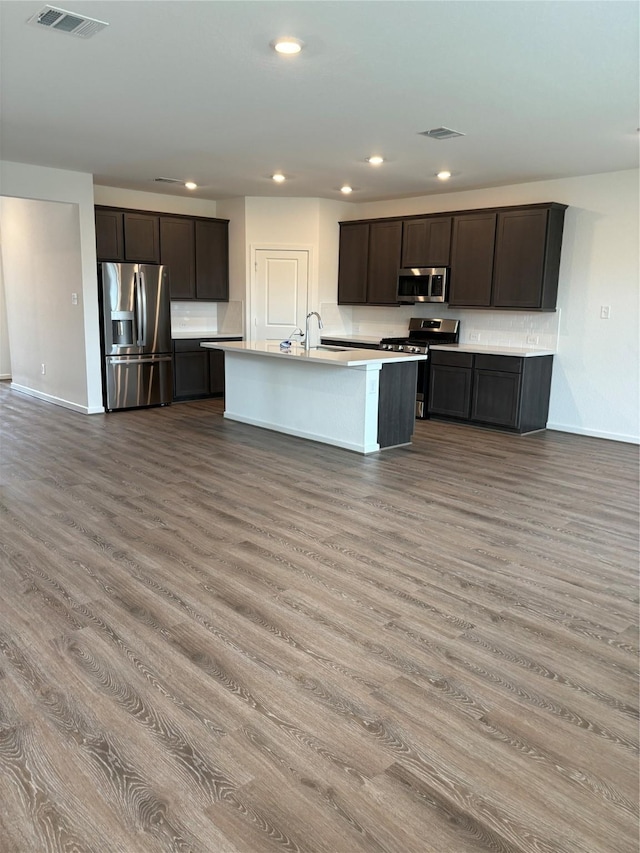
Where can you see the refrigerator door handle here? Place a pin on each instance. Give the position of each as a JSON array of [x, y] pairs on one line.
[[142, 284], [140, 308], [115, 359]]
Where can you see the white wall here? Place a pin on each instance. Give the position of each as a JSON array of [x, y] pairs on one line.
[[5, 352], [299, 223], [595, 378], [231, 317], [135, 200], [41, 258], [21, 181]]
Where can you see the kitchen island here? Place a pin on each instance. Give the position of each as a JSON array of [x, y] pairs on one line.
[[361, 400]]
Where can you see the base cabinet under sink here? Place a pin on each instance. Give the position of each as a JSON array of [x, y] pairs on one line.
[[506, 392]]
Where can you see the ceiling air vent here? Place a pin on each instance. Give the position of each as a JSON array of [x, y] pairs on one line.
[[168, 181], [67, 22], [441, 133]]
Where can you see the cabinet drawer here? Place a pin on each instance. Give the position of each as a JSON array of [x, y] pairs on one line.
[[501, 363], [454, 359]]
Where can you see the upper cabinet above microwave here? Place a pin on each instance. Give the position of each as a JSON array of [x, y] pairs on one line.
[[426, 242]]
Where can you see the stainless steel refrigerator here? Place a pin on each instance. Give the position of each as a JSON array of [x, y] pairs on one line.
[[135, 312]]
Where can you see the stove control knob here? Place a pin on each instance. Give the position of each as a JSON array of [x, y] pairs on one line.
[[400, 347]]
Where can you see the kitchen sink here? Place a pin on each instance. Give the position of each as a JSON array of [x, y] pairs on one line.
[[332, 349]]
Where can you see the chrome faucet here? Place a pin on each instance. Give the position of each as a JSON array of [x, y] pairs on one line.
[[307, 342]]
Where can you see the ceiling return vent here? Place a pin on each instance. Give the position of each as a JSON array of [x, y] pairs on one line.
[[168, 181], [441, 133], [67, 22]]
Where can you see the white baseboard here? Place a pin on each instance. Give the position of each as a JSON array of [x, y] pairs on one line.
[[5, 376], [610, 436], [57, 401], [323, 439]]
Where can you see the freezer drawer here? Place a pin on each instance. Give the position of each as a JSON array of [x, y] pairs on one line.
[[133, 382]]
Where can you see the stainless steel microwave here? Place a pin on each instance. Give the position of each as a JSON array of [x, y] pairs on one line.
[[422, 284]]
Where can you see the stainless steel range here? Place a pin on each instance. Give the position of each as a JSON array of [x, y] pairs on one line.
[[423, 333]]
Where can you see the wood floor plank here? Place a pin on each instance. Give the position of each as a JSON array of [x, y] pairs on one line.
[[223, 640]]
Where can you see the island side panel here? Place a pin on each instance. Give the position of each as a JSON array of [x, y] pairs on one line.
[[397, 403], [332, 405]]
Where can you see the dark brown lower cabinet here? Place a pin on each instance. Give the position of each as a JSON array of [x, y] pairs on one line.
[[397, 403], [503, 391], [450, 384], [198, 372]]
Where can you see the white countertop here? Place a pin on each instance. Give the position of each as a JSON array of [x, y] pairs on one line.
[[194, 335], [349, 357], [489, 349]]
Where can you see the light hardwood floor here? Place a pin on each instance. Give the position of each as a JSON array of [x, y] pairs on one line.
[[215, 638]]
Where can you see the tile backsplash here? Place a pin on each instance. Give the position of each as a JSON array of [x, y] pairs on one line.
[[207, 317], [533, 329], [537, 330]]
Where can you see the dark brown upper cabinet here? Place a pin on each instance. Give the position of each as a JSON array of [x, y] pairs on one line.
[[142, 238], [178, 253], [472, 250], [194, 249], [527, 258], [353, 263], [110, 235], [426, 242], [505, 257], [369, 262], [212, 259], [385, 241]]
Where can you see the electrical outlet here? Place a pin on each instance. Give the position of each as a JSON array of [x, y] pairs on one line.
[[74, 298], [474, 337], [532, 339], [605, 312], [43, 369]]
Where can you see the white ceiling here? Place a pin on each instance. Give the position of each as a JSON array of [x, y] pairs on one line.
[[192, 90]]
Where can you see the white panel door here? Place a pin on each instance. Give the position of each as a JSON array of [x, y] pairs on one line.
[[280, 292]]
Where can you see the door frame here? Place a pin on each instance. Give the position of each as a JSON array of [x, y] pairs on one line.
[[312, 286]]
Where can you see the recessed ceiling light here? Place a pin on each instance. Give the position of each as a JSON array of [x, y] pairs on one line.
[[278, 177], [346, 189], [376, 160], [444, 175], [287, 46], [190, 185]]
